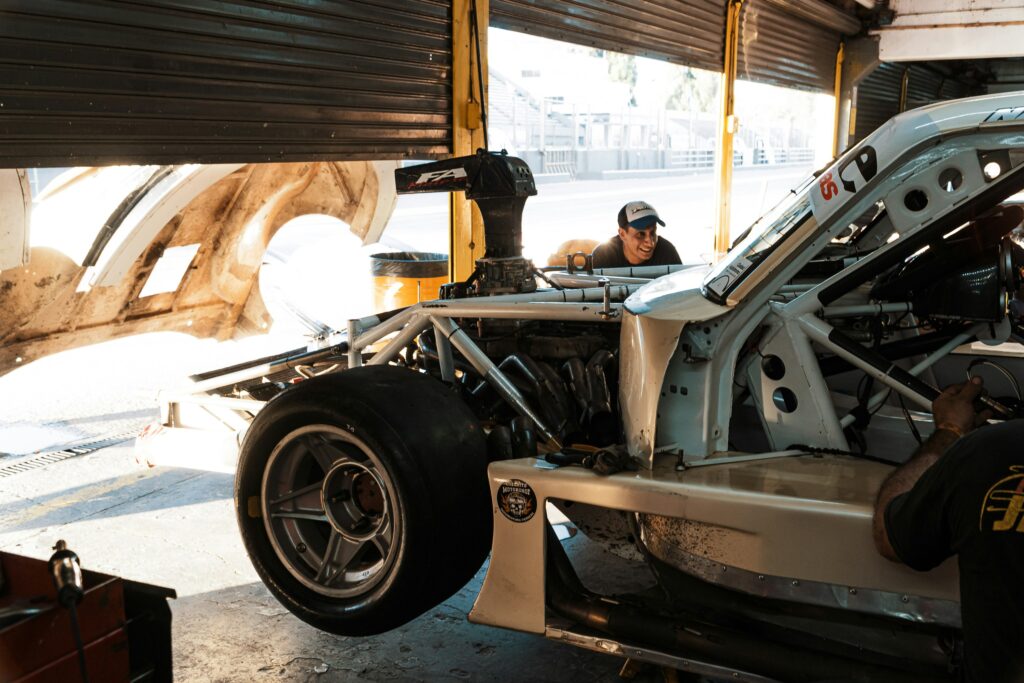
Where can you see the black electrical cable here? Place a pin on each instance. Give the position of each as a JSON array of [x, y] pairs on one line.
[[77, 632], [479, 70], [910, 420], [66, 573]]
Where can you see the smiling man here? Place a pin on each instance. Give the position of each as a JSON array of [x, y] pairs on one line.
[[637, 243]]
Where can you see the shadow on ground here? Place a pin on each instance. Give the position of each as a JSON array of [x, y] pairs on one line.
[[242, 633], [132, 493]]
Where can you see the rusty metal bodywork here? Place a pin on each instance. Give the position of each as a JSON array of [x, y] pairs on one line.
[[54, 302]]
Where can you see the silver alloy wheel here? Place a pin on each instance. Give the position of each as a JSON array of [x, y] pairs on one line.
[[328, 506]]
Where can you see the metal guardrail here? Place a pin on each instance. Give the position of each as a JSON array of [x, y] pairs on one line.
[[705, 158], [692, 158], [559, 161]]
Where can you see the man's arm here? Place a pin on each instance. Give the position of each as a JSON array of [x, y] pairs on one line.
[[954, 416]]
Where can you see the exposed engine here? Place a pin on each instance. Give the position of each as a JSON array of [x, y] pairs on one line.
[[565, 370]]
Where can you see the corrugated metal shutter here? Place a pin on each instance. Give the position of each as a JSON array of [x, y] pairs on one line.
[[779, 48], [167, 81], [927, 85], [878, 95], [689, 32], [878, 99], [952, 90], [923, 87]]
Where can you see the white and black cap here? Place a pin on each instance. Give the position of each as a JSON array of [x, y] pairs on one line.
[[639, 215]]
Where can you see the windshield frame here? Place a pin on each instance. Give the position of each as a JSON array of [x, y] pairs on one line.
[[778, 225]]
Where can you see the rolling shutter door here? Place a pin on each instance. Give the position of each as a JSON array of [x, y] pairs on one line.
[[687, 32], [779, 48], [878, 99], [927, 85], [878, 95], [171, 81]]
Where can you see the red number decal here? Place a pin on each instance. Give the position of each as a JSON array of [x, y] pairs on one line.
[[829, 189]]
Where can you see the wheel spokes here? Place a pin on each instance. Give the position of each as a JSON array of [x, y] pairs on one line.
[[328, 510], [341, 552], [322, 451], [384, 537], [300, 514], [297, 493]]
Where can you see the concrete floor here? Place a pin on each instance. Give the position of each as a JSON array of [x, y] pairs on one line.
[[175, 527]]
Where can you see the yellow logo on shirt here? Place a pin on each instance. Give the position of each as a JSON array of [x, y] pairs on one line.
[[1004, 503]]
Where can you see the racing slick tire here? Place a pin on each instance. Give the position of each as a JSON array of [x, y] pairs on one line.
[[362, 498]]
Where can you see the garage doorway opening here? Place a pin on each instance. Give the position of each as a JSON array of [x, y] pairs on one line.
[[784, 135], [599, 129]]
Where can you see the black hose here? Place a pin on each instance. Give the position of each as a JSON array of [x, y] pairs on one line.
[[428, 350], [77, 632], [479, 70]]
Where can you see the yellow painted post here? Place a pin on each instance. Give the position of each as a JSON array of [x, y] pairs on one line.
[[727, 126], [838, 92], [466, 226]]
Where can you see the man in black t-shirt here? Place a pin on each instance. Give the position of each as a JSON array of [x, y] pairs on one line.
[[637, 243], [962, 493]]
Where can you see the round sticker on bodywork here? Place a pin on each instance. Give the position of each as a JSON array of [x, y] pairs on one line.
[[516, 500]]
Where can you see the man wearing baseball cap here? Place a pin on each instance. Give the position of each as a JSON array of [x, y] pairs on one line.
[[637, 243]]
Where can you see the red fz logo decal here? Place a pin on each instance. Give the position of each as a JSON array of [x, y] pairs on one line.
[[828, 187]]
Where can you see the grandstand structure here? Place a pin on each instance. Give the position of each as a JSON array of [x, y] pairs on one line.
[[557, 137]]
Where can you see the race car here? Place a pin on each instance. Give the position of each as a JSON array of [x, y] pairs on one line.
[[729, 424]]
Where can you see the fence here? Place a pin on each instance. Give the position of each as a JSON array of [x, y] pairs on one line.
[[692, 158], [555, 160]]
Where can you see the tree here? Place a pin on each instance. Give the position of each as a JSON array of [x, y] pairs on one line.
[[693, 90], [622, 69]]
